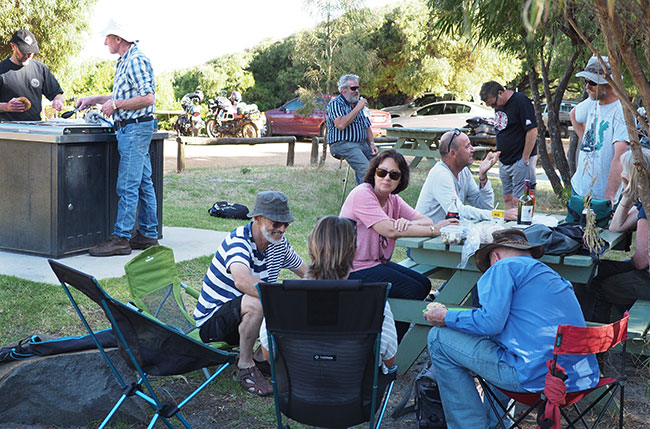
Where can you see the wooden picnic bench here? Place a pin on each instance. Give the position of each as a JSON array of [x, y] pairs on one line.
[[183, 140], [422, 143], [432, 257]]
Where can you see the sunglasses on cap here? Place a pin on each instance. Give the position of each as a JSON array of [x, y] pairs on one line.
[[590, 82], [353, 88], [456, 133], [394, 175]]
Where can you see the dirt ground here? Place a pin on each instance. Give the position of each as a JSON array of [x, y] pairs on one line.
[[227, 410]]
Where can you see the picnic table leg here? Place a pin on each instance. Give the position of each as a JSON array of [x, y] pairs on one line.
[[412, 345]]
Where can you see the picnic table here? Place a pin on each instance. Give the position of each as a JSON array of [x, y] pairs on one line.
[[421, 143], [432, 257]]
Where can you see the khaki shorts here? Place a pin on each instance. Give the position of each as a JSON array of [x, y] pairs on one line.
[[513, 176]]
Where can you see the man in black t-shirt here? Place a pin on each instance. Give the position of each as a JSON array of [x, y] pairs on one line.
[[516, 128], [23, 76]]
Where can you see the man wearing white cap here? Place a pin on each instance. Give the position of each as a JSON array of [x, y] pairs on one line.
[[599, 123], [132, 106], [24, 81]]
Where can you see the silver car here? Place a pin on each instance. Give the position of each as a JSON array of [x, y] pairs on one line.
[[444, 114], [402, 110]]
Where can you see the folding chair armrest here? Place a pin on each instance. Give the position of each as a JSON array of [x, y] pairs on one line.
[[191, 291]]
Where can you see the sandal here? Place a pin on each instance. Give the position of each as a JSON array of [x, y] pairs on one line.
[[253, 381]]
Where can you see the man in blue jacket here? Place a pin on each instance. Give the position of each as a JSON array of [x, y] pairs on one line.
[[508, 340]]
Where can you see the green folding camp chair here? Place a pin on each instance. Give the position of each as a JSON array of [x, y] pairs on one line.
[[157, 290]]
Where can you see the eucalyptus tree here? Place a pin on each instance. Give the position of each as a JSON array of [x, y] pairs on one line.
[[60, 26]]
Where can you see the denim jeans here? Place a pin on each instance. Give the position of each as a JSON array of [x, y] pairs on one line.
[[134, 182], [356, 154], [454, 357], [405, 283]]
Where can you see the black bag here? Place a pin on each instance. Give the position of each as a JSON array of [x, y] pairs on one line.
[[228, 211], [37, 346], [428, 406], [602, 209]]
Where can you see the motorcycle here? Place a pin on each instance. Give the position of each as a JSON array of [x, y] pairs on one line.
[[481, 127], [226, 120], [190, 123]]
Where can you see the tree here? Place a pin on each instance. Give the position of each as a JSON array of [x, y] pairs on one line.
[[59, 27], [552, 51], [415, 60]]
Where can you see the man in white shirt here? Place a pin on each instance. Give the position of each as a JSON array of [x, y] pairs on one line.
[[451, 178], [599, 123]]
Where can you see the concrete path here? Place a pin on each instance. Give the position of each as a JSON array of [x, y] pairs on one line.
[[187, 243]]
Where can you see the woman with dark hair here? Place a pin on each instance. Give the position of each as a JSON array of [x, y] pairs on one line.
[[382, 217], [332, 245]]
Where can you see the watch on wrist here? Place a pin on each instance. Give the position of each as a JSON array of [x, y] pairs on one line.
[[433, 230], [114, 105]]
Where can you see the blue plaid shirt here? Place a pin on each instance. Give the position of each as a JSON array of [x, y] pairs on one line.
[[133, 77], [355, 132]]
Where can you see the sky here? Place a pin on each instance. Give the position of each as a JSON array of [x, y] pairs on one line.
[[177, 34]]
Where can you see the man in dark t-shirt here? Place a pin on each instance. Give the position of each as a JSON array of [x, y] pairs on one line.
[[516, 128], [22, 76]]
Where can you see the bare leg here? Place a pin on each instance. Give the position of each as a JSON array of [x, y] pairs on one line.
[[249, 329]]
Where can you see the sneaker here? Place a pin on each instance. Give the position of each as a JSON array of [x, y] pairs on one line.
[[140, 242], [113, 246]]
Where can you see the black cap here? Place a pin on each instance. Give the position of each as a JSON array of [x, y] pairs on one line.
[[25, 41]]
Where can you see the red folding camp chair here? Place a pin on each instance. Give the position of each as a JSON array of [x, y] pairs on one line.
[[571, 340]]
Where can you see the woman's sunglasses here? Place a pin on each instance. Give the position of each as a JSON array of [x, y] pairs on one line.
[[394, 175]]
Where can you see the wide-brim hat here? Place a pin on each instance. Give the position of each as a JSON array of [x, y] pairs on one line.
[[122, 31], [273, 205], [26, 42], [513, 238], [594, 71]]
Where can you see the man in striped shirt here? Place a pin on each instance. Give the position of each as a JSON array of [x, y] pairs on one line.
[[131, 106], [228, 308], [348, 127]]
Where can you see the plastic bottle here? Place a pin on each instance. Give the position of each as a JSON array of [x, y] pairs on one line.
[[452, 212], [525, 206]]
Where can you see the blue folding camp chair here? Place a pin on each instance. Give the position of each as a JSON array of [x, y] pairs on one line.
[[148, 346], [324, 341]]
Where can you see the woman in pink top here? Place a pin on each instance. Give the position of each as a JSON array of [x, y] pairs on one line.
[[382, 217]]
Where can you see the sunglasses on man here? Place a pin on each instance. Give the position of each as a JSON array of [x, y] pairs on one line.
[[590, 82], [456, 133], [353, 88]]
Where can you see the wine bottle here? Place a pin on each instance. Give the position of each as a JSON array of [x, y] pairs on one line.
[[531, 192], [452, 212], [525, 206]]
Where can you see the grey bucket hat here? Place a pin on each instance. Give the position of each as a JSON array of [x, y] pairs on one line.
[[594, 71], [273, 205]]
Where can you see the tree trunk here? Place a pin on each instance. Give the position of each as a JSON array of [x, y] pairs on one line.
[[541, 131]]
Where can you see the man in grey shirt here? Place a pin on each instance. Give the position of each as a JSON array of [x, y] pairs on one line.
[[450, 178]]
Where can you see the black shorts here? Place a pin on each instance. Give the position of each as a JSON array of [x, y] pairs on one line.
[[224, 323]]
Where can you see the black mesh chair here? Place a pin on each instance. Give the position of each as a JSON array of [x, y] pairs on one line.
[[148, 346], [324, 339]]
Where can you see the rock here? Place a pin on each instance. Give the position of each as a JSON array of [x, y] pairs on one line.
[[70, 390]]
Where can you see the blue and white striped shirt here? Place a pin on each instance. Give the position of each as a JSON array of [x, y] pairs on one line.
[[133, 77], [355, 132], [239, 247]]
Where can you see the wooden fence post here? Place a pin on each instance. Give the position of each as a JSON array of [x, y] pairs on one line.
[[180, 155]]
